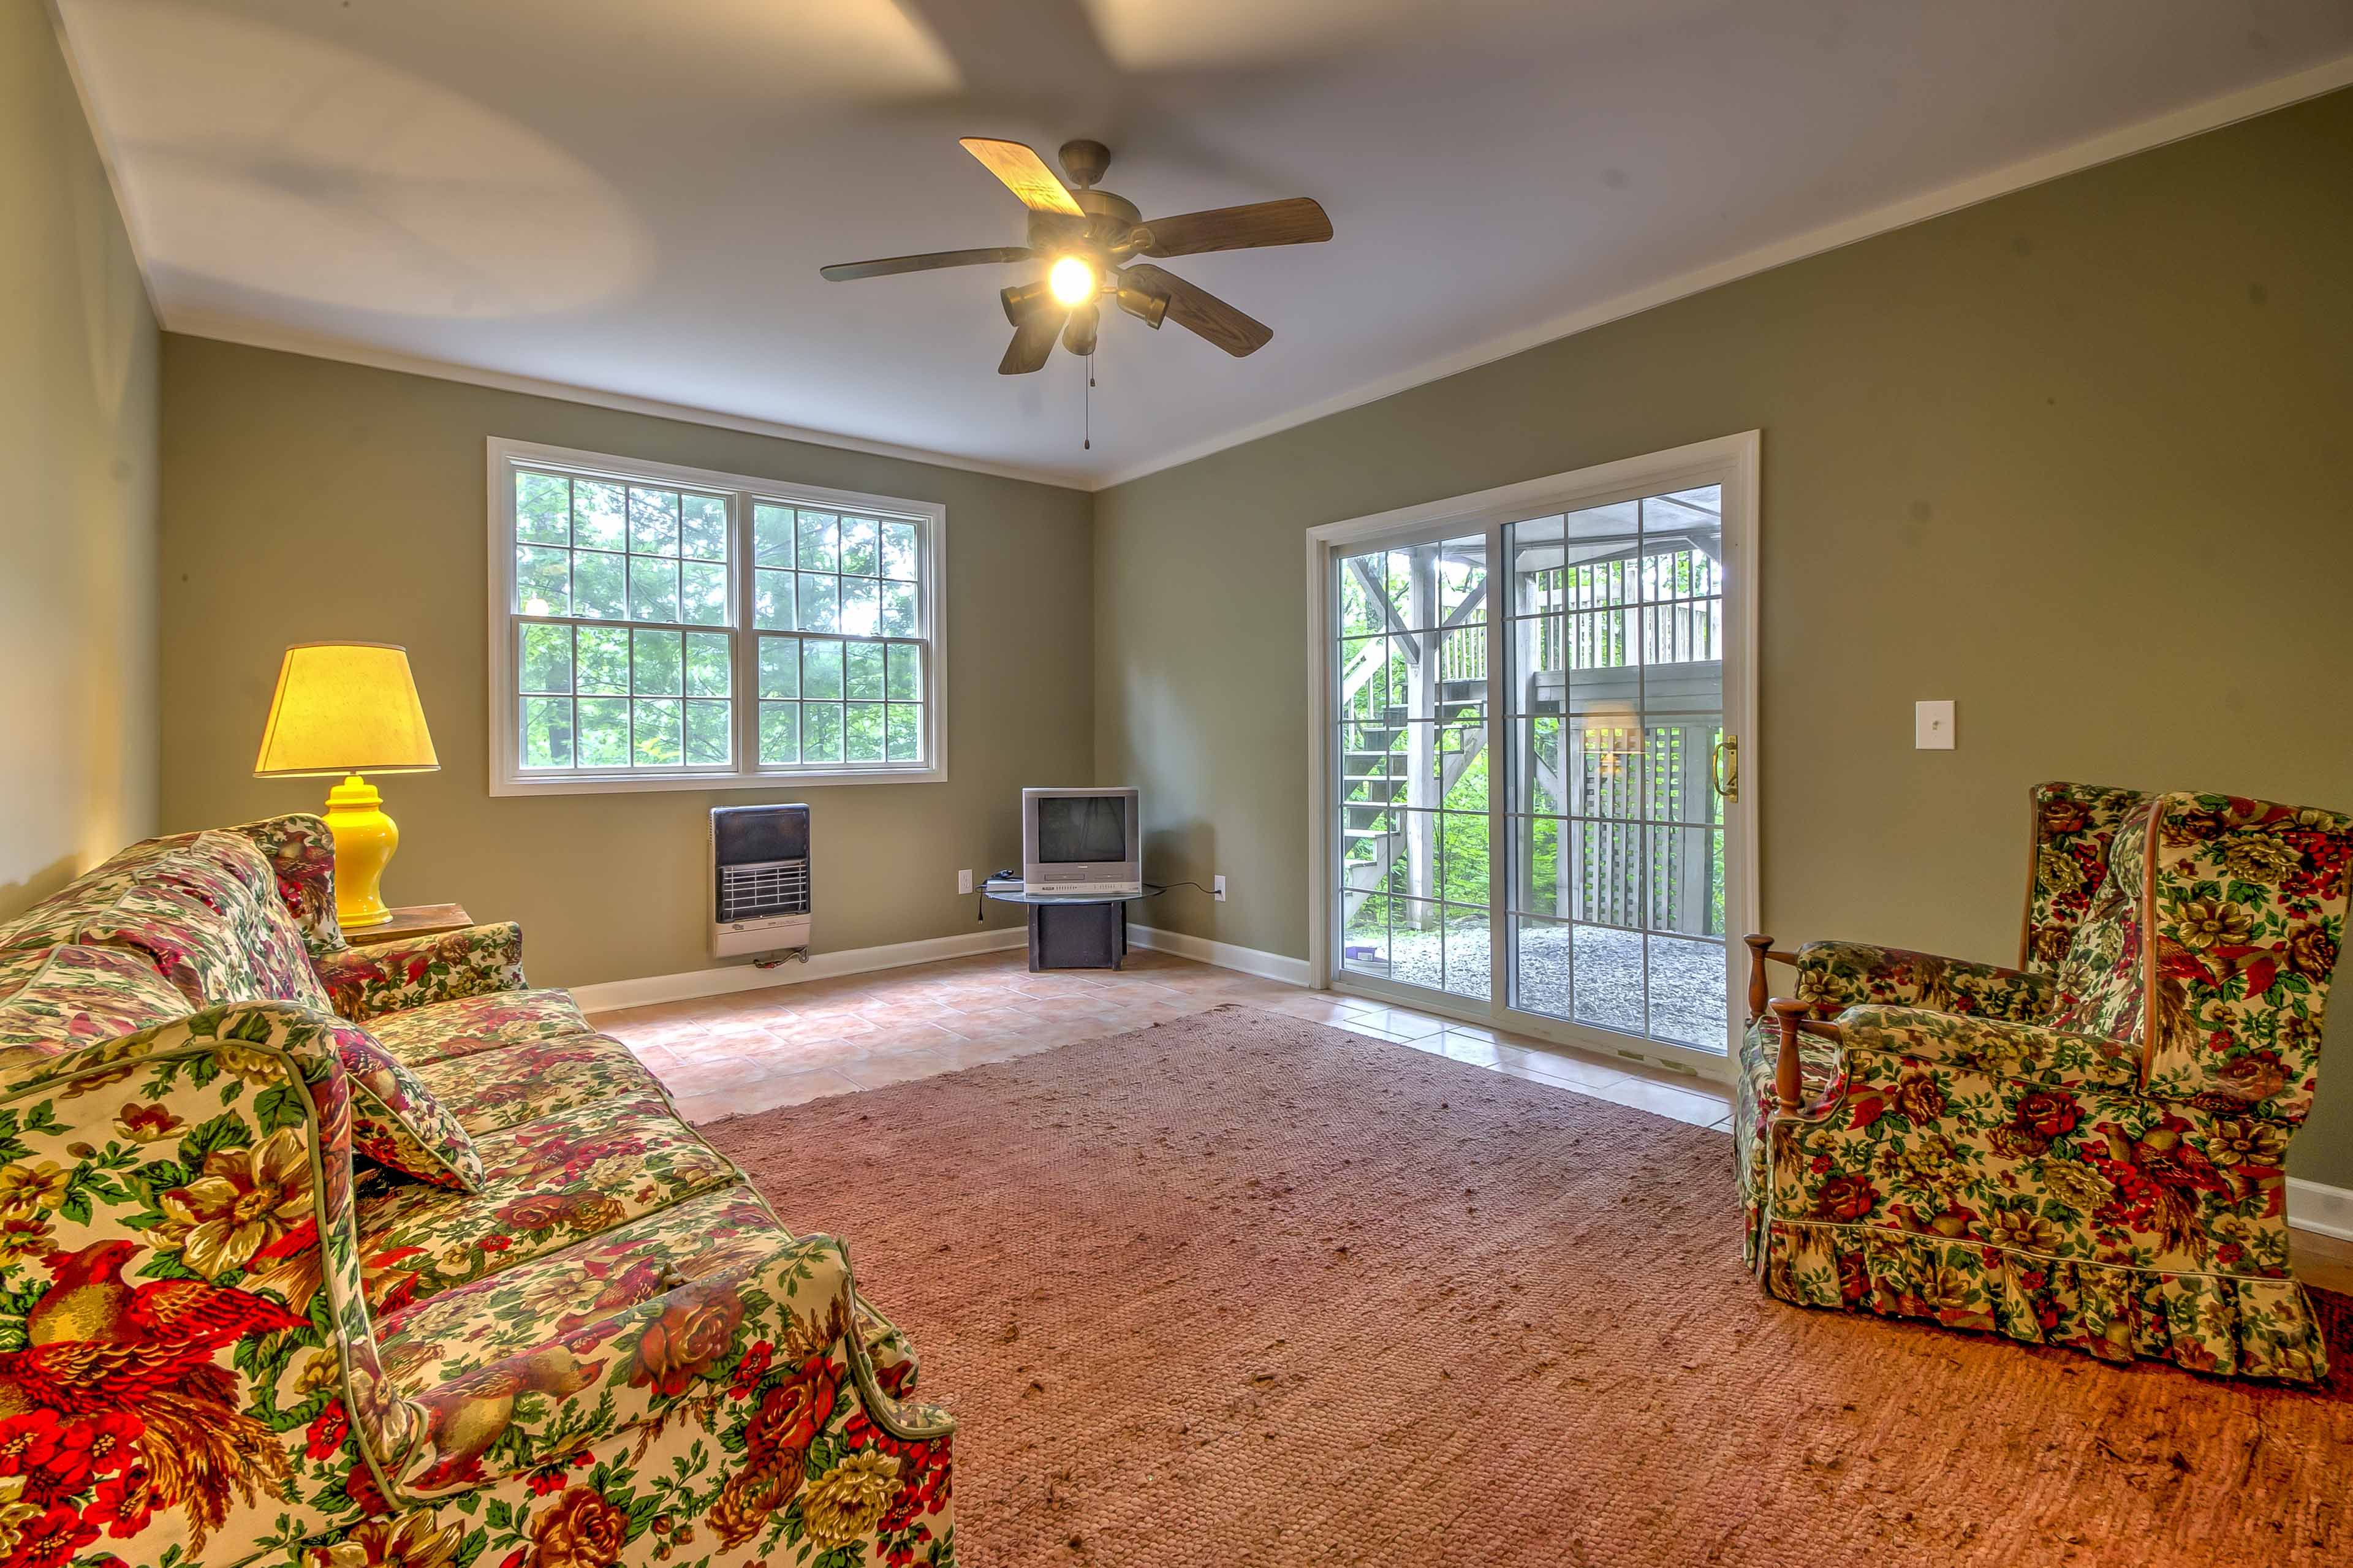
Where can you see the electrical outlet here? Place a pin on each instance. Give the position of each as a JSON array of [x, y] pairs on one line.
[[964, 881], [1217, 888]]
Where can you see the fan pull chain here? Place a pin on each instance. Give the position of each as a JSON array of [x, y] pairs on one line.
[[1088, 403]]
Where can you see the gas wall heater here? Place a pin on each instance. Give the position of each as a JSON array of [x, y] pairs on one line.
[[759, 879]]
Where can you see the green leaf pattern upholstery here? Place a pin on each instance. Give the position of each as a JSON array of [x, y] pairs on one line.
[[2073, 826], [419, 972], [607, 1352]]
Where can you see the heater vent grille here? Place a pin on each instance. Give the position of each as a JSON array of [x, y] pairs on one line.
[[762, 889]]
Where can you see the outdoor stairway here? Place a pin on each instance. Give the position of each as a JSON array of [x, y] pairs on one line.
[[1376, 785]]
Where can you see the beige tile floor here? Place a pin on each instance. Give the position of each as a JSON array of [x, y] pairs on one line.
[[754, 1050]]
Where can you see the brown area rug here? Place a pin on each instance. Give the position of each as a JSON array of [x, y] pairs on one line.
[[1241, 1291]]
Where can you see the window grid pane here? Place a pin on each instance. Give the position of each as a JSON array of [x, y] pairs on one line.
[[614, 698], [852, 701], [608, 549], [836, 573]]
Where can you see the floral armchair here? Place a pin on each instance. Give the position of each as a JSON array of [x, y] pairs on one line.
[[2087, 1149]]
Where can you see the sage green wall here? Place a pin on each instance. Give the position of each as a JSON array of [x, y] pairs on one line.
[[78, 434], [2076, 458], [305, 500]]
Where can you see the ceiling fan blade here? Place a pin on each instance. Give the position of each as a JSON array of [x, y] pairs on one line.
[[1298, 221], [1025, 174], [1033, 342], [1201, 312], [843, 271]]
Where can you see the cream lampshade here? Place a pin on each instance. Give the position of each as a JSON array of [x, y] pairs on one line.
[[349, 708]]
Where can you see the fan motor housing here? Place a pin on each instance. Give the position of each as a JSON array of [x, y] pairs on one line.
[[1109, 220]]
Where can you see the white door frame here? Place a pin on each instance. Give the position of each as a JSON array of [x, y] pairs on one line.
[[1729, 461]]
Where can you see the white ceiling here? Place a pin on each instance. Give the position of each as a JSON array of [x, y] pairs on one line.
[[635, 197]]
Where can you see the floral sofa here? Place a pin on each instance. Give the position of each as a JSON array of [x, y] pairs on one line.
[[2084, 1151], [330, 1255]]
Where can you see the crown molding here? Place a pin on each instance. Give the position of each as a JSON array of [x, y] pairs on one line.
[[250, 335], [2176, 125]]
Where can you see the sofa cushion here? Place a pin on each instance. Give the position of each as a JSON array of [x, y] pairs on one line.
[[189, 945], [493, 1089], [61, 999], [471, 1025], [546, 1187], [531, 1364], [397, 1121]]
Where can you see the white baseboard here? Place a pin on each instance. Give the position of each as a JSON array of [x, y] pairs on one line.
[[2311, 1206], [1224, 954], [723, 979]]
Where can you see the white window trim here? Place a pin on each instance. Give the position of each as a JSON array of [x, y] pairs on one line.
[[506, 775]]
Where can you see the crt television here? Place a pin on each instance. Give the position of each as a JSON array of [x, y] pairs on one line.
[[1081, 841]]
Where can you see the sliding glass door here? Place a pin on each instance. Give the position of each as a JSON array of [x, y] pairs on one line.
[[1529, 795], [1616, 695]]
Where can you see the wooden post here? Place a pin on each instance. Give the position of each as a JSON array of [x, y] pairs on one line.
[[1789, 1081], [1420, 739], [1694, 857], [1759, 948]]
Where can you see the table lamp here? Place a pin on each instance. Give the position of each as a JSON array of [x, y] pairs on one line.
[[349, 708]]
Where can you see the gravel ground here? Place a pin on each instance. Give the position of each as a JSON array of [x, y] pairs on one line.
[[1687, 999]]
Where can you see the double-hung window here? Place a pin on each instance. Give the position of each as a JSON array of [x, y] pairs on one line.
[[660, 627]]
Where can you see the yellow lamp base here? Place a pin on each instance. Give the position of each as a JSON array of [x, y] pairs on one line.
[[364, 840]]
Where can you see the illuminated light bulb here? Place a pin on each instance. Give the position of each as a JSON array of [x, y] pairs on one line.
[[534, 607], [1071, 281]]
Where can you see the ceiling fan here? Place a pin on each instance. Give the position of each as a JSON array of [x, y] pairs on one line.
[[1093, 238]]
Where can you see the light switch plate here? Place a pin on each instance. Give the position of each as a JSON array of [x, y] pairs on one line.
[[964, 881], [1932, 726]]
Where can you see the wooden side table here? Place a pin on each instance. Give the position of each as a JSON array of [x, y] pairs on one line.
[[410, 921]]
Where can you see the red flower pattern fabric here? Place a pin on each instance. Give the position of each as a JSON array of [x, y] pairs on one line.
[[56, 998], [420, 972], [301, 855], [2074, 825], [358, 1366]]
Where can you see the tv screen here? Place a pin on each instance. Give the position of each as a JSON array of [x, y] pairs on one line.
[[1079, 830]]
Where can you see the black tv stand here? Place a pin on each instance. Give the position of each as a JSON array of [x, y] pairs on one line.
[[1074, 930]]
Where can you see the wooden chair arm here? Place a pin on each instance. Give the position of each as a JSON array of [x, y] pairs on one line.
[[1789, 1077], [1760, 951]]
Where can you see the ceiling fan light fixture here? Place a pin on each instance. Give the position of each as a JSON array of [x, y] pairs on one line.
[[1022, 299], [1149, 309], [1079, 332], [1073, 281]]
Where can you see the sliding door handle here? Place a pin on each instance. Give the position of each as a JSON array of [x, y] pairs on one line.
[[1723, 768]]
